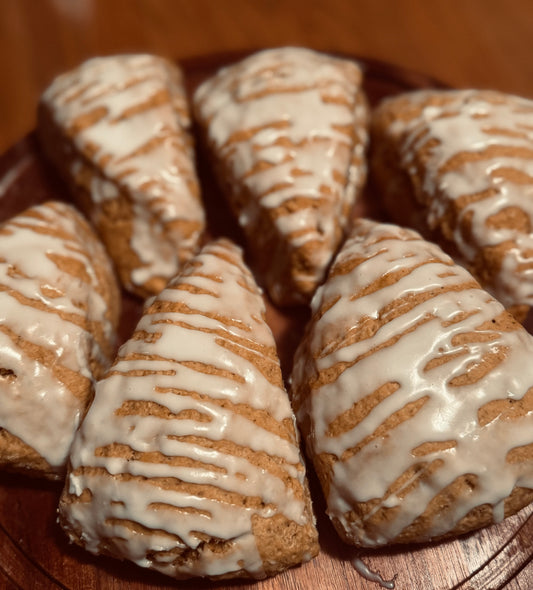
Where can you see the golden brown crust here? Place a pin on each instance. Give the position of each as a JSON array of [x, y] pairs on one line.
[[18, 457]]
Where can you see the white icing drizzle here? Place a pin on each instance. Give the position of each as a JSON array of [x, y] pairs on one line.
[[47, 319], [426, 350], [14, 173], [468, 122], [137, 134], [285, 124], [363, 570], [191, 325]]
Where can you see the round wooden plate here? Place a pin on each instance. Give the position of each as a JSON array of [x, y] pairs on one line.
[[35, 554]]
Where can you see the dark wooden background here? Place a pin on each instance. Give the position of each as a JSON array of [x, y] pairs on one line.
[[485, 43]]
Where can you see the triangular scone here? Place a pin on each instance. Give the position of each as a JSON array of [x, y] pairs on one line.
[[414, 390], [287, 130], [118, 130], [188, 461], [459, 164], [59, 303]]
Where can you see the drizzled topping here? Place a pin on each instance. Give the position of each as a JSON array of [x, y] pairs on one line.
[[287, 128], [473, 151], [190, 442], [56, 328], [414, 388], [127, 116]]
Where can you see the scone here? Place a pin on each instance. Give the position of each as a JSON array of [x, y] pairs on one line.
[[414, 390], [286, 130], [188, 461], [59, 312], [117, 129], [458, 164]]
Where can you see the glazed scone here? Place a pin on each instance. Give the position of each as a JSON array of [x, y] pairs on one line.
[[458, 165], [117, 129], [414, 390], [59, 302], [188, 461], [286, 130]]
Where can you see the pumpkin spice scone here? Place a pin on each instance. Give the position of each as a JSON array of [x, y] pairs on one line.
[[414, 390], [188, 461], [117, 129], [286, 130], [59, 311], [458, 165]]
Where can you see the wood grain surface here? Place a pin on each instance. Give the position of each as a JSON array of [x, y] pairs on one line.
[[475, 43], [483, 43]]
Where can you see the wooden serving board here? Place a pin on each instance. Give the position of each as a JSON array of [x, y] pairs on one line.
[[34, 552]]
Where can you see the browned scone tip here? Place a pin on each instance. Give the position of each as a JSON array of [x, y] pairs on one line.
[[413, 388], [60, 308], [286, 130], [456, 165], [117, 129], [188, 460]]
